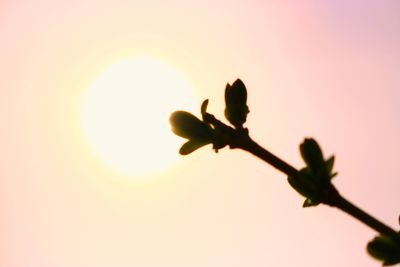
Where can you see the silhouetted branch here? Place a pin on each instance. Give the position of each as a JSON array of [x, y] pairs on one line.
[[312, 181], [241, 139]]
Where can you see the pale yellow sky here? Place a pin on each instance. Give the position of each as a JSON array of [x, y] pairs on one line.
[[327, 70]]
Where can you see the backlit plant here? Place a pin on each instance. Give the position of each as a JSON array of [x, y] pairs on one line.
[[314, 181]]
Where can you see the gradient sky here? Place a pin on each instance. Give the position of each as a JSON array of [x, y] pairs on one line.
[[326, 69]]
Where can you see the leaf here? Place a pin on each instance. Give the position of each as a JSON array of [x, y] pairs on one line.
[[191, 146], [329, 165], [204, 107], [333, 175], [309, 203]]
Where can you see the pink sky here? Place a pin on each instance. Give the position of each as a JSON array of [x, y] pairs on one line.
[[326, 69]]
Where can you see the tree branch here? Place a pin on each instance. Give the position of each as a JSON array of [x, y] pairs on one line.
[[239, 138]]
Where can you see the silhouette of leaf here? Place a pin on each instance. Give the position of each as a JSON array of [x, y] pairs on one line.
[[191, 146], [329, 164], [204, 107], [309, 203]]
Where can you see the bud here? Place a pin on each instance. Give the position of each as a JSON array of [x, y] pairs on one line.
[[188, 126], [385, 249], [312, 155], [236, 109], [306, 186]]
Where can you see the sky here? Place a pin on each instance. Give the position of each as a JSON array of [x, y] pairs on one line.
[[322, 69]]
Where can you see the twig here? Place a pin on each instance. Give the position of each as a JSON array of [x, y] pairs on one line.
[[239, 138]]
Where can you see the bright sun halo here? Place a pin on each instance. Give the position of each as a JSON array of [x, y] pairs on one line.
[[125, 115]]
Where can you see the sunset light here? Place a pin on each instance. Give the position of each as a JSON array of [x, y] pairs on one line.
[[125, 114], [108, 147]]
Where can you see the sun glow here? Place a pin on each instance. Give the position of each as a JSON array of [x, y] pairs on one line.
[[125, 115]]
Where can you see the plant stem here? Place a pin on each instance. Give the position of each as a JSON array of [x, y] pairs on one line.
[[336, 200], [250, 146], [239, 138], [356, 212]]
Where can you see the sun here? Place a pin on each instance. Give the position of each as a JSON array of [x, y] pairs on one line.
[[125, 111]]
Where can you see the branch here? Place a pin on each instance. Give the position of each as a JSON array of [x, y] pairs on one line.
[[240, 139], [314, 181]]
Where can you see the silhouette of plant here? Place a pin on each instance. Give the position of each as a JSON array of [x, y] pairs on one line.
[[314, 181]]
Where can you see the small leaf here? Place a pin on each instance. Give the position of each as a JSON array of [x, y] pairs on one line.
[[309, 203], [204, 107], [191, 146], [329, 164], [333, 175]]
